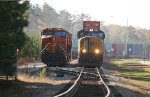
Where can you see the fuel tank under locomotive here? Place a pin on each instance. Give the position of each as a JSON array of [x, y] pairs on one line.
[[53, 58], [90, 51]]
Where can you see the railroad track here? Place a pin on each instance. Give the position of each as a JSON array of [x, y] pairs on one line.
[[88, 84], [64, 71]]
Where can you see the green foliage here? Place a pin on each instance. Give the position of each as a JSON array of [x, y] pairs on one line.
[[125, 61], [31, 48], [13, 17], [42, 73], [128, 69], [137, 75]]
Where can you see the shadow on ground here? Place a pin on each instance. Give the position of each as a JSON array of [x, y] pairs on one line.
[[28, 89], [118, 91]]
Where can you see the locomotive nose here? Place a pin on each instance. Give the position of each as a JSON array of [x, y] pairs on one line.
[[50, 39]]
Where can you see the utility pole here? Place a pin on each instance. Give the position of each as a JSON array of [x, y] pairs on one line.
[[149, 45], [110, 32], [112, 49], [127, 40]]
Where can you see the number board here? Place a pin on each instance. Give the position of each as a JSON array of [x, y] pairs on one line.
[[91, 24]]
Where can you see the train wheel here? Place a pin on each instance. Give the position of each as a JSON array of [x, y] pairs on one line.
[[48, 65]]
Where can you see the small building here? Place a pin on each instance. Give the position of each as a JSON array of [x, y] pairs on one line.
[[118, 50], [148, 51], [135, 50]]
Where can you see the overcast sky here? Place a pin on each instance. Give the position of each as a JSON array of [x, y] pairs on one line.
[[137, 12]]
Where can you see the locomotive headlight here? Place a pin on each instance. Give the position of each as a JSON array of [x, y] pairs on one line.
[[97, 51], [84, 51]]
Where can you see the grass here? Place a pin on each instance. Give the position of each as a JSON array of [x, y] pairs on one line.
[[126, 71], [141, 87], [134, 79], [143, 76], [42, 73], [121, 62], [43, 78]]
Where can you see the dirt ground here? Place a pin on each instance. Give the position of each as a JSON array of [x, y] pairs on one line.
[[142, 67], [35, 86], [31, 86], [125, 86]]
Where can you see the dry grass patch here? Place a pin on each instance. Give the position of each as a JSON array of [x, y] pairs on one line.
[[29, 78], [132, 75], [134, 85]]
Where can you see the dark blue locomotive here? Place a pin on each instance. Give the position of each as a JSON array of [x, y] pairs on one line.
[[90, 46]]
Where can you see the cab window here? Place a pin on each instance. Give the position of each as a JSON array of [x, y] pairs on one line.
[[47, 33], [61, 34]]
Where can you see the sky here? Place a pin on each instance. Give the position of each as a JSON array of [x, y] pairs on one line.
[[121, 12]]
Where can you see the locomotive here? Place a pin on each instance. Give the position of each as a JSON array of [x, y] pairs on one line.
[[56, 46], [90, 45]]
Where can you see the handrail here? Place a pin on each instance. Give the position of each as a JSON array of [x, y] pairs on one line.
[[44, 47], [65, 53]]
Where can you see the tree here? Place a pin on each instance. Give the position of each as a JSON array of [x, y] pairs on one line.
[[35, 20], [50, 16], [64, 20], [34, 43], [13, 17]]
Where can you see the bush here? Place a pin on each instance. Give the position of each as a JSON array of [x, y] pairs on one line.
[[31, 49]]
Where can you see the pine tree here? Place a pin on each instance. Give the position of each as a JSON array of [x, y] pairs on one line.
[[13, 18]]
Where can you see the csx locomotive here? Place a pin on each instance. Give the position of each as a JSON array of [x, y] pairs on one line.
[[90, 46], [56, 46]]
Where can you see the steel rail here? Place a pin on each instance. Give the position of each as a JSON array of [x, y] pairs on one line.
[[65, 71], [70, 92], [72, 89], [106, 87]]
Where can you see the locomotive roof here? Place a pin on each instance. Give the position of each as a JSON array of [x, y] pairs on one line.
[[54, 29], [87, 31]]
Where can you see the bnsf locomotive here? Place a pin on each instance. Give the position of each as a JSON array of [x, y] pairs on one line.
[[90, 46], [56, 46]]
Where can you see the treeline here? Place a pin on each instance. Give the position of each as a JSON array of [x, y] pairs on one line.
[[47, 16], [40, 18], [123, 34]]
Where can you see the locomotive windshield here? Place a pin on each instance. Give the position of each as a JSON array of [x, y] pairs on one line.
[[99, 34], [47, 33], [61, 34]]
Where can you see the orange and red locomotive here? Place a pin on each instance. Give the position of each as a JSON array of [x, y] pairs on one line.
[[56, 46]]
